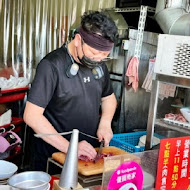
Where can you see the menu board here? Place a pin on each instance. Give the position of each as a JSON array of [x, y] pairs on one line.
[[174, 164]]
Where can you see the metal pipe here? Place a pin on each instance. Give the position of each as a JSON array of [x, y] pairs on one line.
[[64, 22], [173, 17], [1, 4], [13, 39], [24, 40], [37, 43], [55, 26], [44, 29], [60, 23], [6, 30], [50, 28], [30, 55], [83, 6], [19, 21], [90, 4], [69, 13]]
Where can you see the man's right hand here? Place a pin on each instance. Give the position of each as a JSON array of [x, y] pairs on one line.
[[86, 149]]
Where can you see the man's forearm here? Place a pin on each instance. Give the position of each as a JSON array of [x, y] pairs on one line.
[[108, 109], [43, 126], [36, 120]]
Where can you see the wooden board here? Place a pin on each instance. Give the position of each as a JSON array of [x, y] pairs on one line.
[[57, 187], [91, 168]]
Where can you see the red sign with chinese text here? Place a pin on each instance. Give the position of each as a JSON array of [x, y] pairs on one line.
[[174, 164]]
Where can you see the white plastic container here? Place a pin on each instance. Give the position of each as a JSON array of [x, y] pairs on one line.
[[186, 113], [142, 141]]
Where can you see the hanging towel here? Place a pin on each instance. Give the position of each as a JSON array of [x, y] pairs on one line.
[[132, 73]]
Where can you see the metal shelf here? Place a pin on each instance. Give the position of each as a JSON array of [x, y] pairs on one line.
[[178, 81], [132, 9], [160, 78], [171, 67], [178, 128]]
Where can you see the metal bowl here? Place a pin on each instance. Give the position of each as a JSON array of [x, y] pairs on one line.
[[7, 169], [30, 180]]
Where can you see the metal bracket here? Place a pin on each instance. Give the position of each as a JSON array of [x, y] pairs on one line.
[[131, 9], [141, 25]]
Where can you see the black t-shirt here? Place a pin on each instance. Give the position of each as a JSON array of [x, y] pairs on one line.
[[70, 103]]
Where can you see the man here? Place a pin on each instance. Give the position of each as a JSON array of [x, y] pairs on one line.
[[70, 84]]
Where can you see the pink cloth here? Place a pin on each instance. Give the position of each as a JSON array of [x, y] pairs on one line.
[[132, 73]]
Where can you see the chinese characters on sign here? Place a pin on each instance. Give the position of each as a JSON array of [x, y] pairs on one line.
[[174, 164]]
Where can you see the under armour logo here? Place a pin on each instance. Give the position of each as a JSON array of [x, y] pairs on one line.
[[86, 79]]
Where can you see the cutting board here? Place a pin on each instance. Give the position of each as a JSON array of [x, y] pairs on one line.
[[91, 168]]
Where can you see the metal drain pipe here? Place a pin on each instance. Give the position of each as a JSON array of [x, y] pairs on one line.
[[173, 16]]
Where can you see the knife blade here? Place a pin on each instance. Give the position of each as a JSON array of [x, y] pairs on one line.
[[99, 151], [39, 135]]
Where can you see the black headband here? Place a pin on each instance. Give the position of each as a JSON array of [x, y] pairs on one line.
[[96, 41]]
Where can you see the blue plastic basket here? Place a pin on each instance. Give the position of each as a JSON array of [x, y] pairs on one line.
[[129, 141]]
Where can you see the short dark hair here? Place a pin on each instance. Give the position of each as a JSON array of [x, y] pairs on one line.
[[99, 22]]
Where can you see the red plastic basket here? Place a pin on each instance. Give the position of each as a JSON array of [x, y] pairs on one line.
[[12, 95], [15, 121]]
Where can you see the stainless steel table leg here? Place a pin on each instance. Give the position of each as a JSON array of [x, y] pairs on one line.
[[152, 113], [54, 162], [24, 146], [47, 167]]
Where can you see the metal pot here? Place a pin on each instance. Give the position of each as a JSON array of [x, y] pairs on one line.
[[32, 180]]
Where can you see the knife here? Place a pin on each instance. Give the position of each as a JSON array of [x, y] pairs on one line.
[[99, 151]]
